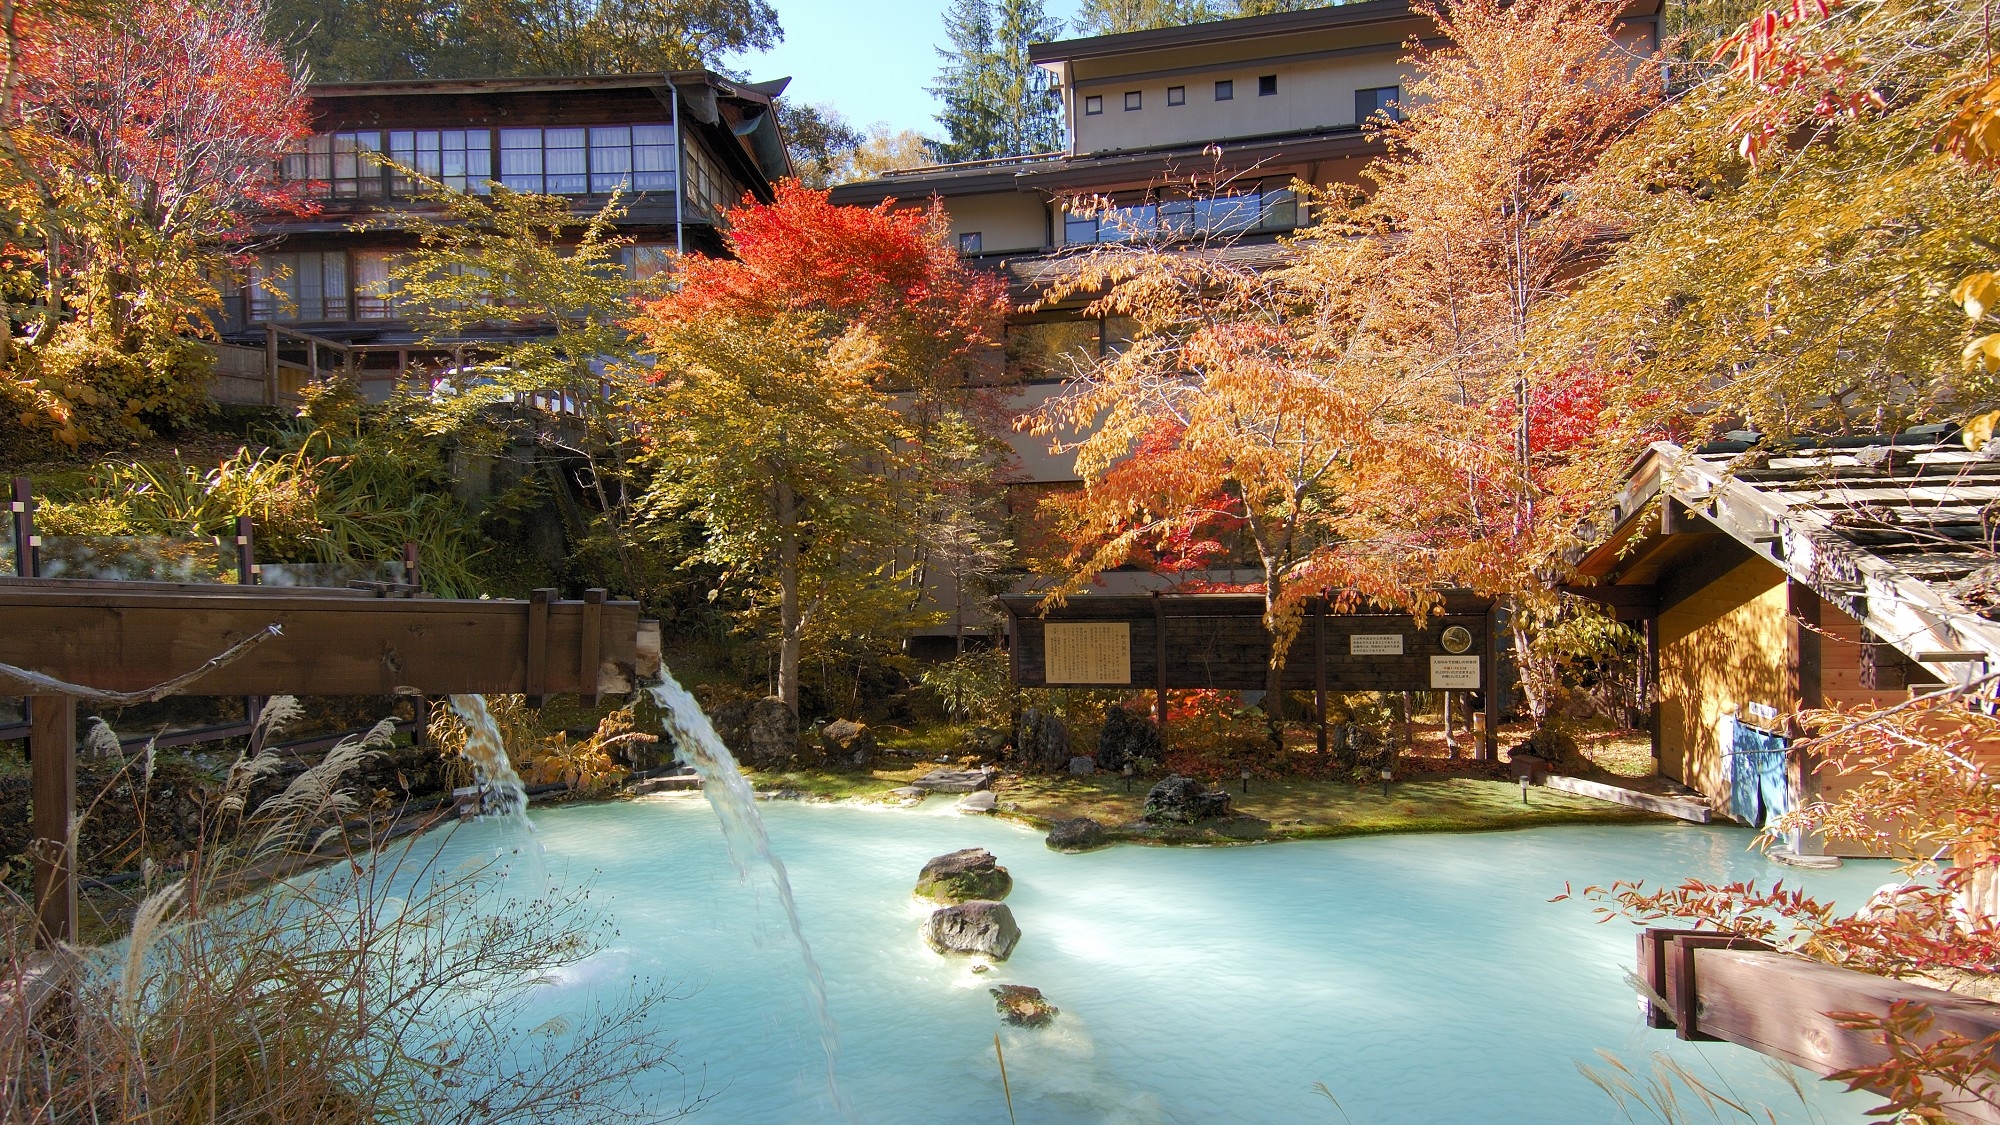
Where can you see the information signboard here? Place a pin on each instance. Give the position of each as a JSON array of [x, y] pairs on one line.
[[1455, 673], [1092, 652], [1375, 644]]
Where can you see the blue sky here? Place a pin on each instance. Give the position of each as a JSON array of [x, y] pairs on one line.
[[870, 59]]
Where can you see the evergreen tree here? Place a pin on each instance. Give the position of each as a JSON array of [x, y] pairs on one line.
[[968, 84], [996, 103], [1109, 17], [1030, 110]]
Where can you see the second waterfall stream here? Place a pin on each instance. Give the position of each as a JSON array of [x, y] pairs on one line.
[[735, 805]]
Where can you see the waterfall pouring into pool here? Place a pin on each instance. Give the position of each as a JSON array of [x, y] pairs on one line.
[[488, 754], [696, 744]]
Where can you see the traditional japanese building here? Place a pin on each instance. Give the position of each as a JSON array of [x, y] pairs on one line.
[[681, 147]]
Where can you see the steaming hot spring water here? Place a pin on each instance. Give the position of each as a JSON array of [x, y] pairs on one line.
[[1420, 978]]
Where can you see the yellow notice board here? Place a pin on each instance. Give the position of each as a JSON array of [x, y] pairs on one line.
[[1088, 652]]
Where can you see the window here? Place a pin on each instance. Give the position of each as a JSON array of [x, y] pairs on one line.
[[346, 163], [1092, 105], [646, 262], [461, 159], [521, 159], [596, 160], [969, 242], [707, 185], [1267, 85], [565, 168], [1225, 90], [300, 285], [1382, 101], [1131, 99], [374, 291], [1238, 212], [1177, 95]]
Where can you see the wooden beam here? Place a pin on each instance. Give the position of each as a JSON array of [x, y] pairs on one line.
[[52, 742], [330, 644], [23, 510], [536, 688], [1160, 664], [593, 635], [1777, 1005], [1319, 673], [1803, 648], [1489, 750]]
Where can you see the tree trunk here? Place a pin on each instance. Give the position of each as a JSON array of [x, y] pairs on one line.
[[1274, 675], [789, 617]]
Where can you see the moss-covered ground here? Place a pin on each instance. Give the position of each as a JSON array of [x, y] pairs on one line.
[[1285, 809]]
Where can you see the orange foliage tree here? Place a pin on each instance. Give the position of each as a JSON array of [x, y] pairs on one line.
[[1482, 214], [801, 384], [1231, 409], [140, 134]]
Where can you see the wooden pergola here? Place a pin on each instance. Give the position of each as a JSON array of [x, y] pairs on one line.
[[127, 642], [1169, 641]]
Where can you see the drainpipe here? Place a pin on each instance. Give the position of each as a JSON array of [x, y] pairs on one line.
[[680, 165]]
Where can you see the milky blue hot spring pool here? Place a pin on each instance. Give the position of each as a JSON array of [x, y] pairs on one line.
[[1422, 979]]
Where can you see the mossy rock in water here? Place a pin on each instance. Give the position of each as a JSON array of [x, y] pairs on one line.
[[964, 876], [1022, 1006]]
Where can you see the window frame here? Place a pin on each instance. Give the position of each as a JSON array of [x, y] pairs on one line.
[[1393, 111], [1267, 85], [1176, 95], [1225, 89], [1093, 105], [1134, 100], [971, 242]]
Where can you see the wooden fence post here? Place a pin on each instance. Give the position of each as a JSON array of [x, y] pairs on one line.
[[52, 744], [271, 391], [23, 507]]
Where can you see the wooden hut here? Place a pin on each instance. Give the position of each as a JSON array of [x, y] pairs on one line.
[[1828, 574]]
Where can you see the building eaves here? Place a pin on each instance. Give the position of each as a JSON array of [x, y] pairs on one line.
[[1276, 25], [1057, 173], [1888, 529], [1220, 31], [762, 92]]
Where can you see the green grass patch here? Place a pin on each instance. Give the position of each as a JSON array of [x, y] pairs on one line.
[[1303, 810]]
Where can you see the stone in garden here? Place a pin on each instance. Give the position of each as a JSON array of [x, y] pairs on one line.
[[979, 927], [1021, 1006], [1184, 800], [986, 742], [984, 801], [1077, 835], [955, 781], [1126, 738], [772, 734], [1043, 741], [963, 876], [1082, 767], [848, 743], [731, 720]]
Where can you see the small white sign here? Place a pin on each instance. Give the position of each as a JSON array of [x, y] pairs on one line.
[[1763, 711], [1454, 673], [1375, 644]]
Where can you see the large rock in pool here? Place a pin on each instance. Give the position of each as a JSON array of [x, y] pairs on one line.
[[771, 734], [1184, 800], [1022, 1006], [980, 927], [962, 876], [848, 743], [1078, 835], [1127, 737]]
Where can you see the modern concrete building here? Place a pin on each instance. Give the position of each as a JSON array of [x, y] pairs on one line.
[[1197, 134]]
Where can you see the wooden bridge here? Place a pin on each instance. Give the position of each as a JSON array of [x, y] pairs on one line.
[[128, 642]]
